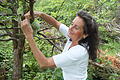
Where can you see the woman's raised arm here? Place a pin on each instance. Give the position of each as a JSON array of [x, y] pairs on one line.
[[49, 19]]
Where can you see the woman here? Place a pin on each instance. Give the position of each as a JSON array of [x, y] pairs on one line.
[[82, 42]]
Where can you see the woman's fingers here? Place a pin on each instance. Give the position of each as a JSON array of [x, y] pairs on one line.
[[26, 28], [27, 15], [24, 23], [36, 14]]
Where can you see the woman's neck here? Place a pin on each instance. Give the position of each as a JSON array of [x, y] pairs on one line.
[[74, 43]]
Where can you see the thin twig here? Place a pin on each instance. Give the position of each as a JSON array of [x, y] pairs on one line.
[[48, 40], [9, 28], [8, 39], [44, 29], [1, 35], [96, 64]]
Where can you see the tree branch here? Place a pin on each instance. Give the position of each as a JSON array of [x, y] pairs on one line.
[[96, 64], [1, 4], [44, 29], [9, 15], [9, 28], [1, 35], [48, 40], [8, 39], [31, 3]]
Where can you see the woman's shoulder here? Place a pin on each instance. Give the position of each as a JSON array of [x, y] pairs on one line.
[[78, 48], [78, 52]]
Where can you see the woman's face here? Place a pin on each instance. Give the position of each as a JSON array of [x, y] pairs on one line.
[[76, 31]]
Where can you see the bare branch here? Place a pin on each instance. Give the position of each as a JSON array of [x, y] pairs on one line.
[[8, 39], [9, 15], [1, 35], [61, 6], [1, 4], [96, 64], [44, 29], [9, 28], [48, 40]]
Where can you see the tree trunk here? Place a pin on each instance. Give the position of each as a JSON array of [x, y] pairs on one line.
[[18, 58], [18, 46]]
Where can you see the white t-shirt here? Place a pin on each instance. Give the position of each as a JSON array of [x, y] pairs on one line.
[[73, 61]]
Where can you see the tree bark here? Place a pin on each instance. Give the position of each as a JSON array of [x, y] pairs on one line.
[[18, 46]]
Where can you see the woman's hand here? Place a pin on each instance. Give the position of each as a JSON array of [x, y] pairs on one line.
[[26, 28], [36, 14]]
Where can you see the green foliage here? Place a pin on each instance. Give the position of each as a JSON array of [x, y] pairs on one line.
[[102, 73], [6, 58], [35, 26], [31, 69], [109, 42]]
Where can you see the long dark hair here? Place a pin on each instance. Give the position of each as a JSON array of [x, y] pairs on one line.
[[91, 29]]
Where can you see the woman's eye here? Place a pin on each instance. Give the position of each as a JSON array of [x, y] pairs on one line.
[[76, 27]]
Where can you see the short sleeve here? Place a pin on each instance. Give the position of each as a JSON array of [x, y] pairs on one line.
[[70, 57], [64, 30]]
